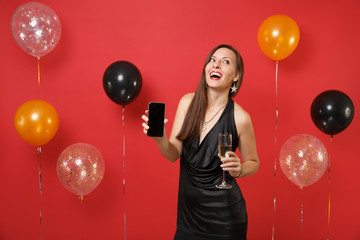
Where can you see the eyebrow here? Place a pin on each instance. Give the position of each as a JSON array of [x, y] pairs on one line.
[[221, 58]]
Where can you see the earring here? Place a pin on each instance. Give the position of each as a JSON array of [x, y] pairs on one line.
[[233, 88]]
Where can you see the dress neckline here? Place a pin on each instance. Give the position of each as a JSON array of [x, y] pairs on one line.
[[212, 128]]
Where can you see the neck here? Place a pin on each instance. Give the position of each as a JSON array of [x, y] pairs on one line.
[[217, 100]]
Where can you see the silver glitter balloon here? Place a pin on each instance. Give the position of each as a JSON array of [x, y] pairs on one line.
[[36, 28]]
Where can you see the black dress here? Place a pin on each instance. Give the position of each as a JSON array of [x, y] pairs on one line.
[[205, 212]]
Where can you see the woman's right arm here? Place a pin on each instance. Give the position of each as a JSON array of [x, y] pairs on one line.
[[171, 147]]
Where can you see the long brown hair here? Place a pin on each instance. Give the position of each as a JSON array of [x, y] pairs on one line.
[[197, 108]]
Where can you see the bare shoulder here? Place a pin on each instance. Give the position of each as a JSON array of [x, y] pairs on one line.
[[242, 118], [186, 100], [183, 106]]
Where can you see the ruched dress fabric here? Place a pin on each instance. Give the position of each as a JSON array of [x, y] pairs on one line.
[[204, 211]]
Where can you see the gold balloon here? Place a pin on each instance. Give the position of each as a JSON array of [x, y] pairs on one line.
[[36, 122], [80, 168], [278, 36], [303, 159]]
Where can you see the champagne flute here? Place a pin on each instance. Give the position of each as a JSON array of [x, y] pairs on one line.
[[225, 145]]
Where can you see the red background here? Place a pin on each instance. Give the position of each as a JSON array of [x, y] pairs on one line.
[[168, 41]]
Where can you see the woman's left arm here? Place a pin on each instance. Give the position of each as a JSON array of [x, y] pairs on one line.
[[247, 148], [247, 145]]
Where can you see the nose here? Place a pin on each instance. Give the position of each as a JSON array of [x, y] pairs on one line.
[[216, 64]]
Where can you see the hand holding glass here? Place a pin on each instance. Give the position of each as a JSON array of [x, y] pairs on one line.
[[225, 144]]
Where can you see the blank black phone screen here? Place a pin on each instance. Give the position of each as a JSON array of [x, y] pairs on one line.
[[156, 119]]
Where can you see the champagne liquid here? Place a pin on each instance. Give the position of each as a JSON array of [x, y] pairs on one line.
[[223, 149]]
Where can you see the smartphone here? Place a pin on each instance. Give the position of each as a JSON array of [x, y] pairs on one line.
[[156, 119]]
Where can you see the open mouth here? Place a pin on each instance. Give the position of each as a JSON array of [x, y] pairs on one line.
[[215, 75]]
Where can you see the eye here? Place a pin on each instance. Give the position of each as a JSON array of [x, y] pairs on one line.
[[226, 61], [212, 60]]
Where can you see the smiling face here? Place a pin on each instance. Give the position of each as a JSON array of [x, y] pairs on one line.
[[220, 71]]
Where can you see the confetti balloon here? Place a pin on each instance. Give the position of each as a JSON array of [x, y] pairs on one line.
[[36, 28], [80, 168], [303, 159]]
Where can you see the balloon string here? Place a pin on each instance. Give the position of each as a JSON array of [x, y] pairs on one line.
[[40, 188], [273, 229], [82, 217], [329, 168], [276, 89], [38, 67], [302, 209], [123, 124], [328, 236], [276, 111], [276, 128]]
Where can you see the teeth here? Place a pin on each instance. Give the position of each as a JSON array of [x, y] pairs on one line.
[[215, 74]]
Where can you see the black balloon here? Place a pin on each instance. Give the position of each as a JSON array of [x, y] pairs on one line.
[[332, 111], [122, 82]]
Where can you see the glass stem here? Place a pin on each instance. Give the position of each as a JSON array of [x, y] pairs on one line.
[[223, 181]]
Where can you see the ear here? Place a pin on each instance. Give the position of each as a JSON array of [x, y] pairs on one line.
[[237, 77]]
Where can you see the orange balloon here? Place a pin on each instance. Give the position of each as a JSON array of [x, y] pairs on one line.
[[278, 36], [36, 122]]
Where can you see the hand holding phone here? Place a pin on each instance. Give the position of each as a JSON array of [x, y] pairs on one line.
[[156, 119]]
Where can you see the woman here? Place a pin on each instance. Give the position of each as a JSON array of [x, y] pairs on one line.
[[204, 211]]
